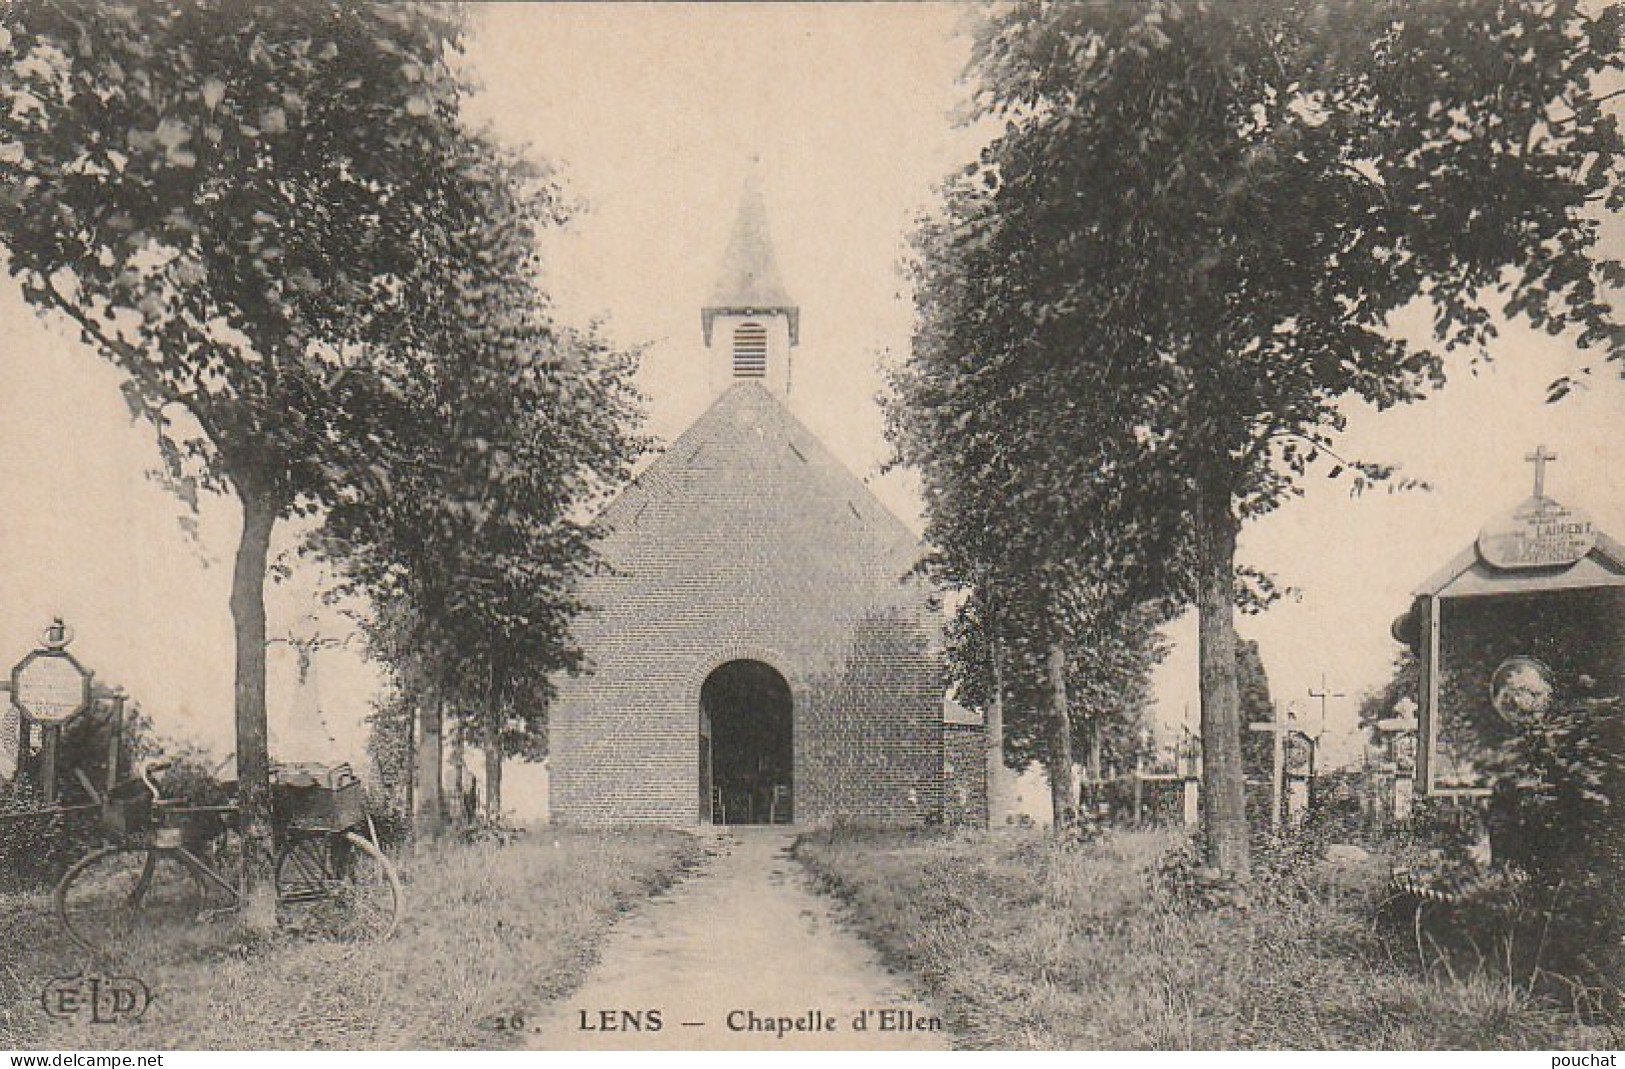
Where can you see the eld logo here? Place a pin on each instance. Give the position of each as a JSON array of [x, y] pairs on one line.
[[98, 999]]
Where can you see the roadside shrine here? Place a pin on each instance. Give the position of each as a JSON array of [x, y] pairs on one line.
[[1520, 643], [1533, 610]]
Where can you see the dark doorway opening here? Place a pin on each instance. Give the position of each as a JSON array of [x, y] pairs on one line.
[[747, 749]]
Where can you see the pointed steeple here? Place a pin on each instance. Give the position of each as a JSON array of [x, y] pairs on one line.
[[749, 284]]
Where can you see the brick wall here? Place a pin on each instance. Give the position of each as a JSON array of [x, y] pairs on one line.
[[872, 738], [964, 774], [748, 540]]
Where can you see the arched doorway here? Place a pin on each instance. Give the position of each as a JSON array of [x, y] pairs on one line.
[[747, 749]]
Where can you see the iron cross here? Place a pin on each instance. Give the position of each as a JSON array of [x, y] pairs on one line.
[[1540, 458], [1325, 694]]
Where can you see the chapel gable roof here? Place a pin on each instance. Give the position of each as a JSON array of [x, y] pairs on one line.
[[747, 457]]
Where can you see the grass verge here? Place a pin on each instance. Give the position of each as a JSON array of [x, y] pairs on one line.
[[490, 931], [1027, 945]]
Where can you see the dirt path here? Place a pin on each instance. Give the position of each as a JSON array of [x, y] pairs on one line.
[[730, 958]]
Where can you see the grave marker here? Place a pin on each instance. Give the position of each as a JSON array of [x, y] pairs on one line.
[[1190, 770], [1278, 729], [1532, 607], [1325, 694], [1394, 773], [1292, 766], [50, 688]]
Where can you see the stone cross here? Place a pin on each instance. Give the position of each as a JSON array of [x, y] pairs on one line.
[[1540, 458]]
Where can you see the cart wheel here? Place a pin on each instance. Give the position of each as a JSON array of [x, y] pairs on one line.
[[115, 900], [337, 886]]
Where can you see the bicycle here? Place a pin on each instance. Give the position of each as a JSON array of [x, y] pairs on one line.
[[173, 867]]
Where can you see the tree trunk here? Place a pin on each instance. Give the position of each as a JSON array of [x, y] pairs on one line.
[[459, 814], [253, 754], [1063, 776], [408, 788], [997, 806], [492, 744], [1224, 799], [430, 820], [1094, 748], [1095, 789]]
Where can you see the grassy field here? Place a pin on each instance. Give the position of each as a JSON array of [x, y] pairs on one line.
[[490, 931], [1030, 946]]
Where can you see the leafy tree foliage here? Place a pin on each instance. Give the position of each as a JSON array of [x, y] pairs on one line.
[[471, 540], [1146, 300], [1559, 785], [1046, 563], [228, 201], [1404, 682], [389, 740]]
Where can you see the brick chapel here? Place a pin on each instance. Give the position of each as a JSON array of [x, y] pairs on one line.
[[757, 647]]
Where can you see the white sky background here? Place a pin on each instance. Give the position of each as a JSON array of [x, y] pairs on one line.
[[651, 112]]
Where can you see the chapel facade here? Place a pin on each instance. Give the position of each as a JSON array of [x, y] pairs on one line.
[[758, 646]]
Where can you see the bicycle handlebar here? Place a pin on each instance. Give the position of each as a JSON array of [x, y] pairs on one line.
[[148, 768]]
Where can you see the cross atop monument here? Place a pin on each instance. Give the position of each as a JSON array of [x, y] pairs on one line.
[[1539, 458]]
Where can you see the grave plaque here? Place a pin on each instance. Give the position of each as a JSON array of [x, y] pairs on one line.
[[1298, 751], [48, 686], [51, 688], [1404, 750], [1539, 533]]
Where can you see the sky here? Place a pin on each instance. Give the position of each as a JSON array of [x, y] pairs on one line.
[[650, 115]]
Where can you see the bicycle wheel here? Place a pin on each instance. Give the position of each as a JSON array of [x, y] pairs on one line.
[[116, 900], [337, 886]]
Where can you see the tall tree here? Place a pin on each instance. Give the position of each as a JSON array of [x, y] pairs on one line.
[[1006, 512], [225, 200], [1048, 564], [473, 532], [389, 744], [1201, 218]]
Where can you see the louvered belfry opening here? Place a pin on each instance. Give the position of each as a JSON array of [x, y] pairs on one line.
[[750, 351]]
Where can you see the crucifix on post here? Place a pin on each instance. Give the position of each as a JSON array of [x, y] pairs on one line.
[[1325, 694], [1540, 458]]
